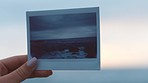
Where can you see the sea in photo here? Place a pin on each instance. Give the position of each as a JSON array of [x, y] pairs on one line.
[[72, 48], [64, 36]]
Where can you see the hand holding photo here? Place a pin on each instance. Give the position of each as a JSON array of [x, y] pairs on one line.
[[64, 39]]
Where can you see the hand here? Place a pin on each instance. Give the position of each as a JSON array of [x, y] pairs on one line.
[[17, 69]]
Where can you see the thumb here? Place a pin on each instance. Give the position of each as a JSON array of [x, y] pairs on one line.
[[23, 72]]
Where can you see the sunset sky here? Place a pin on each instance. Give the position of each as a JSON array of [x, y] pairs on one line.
[[124, 28]]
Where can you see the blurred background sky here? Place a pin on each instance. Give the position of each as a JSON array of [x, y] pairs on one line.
[[124, 35]]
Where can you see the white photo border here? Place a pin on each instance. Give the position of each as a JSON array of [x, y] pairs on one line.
[[67, 64]]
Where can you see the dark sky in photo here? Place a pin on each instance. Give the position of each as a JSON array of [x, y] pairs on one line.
[[63, 26]]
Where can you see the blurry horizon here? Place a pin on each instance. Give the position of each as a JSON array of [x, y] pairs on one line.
[[123, 29]]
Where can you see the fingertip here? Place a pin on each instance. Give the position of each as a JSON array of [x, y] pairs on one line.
[[50, 72], [47, 73], [41, 73], [31, 62]]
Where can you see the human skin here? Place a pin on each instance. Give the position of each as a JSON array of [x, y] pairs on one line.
[[16, 69]]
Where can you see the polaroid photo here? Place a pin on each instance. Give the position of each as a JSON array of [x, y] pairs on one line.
[[64, 39]]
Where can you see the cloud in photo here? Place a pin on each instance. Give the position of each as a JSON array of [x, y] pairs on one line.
[[63, 26], [74, 32]]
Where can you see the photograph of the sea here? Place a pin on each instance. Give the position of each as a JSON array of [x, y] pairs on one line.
[[64, 36], [70, 48]]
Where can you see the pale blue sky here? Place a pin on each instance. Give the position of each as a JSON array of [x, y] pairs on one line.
[[123, 26], [124, 30]]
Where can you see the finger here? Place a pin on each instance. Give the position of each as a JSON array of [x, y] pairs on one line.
[[13, 63], [41, 73], [3, 69], [22, 72]]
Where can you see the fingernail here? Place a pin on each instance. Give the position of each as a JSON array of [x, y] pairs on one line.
[[32, 61]]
